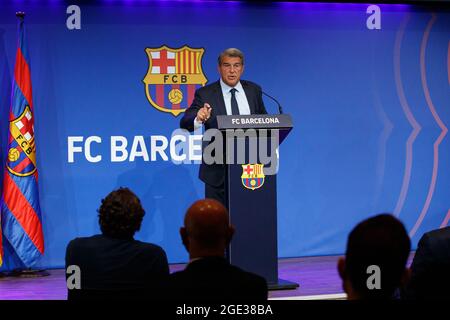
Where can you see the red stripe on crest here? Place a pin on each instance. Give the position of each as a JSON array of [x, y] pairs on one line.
[[191, 93], [160, 95], [22, 76], [184, 61], [23, 212], [189, 63], [195, 62], [175, 106]]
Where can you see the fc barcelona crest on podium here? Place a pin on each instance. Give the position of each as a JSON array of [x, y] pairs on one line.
[[252, 176], [173, 76]]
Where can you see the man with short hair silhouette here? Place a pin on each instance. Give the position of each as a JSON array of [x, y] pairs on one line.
[[209, 276], [380, 241]]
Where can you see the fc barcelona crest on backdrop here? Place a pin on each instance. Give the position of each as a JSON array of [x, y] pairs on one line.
[[22, 151], [252, 176], [173, 76]]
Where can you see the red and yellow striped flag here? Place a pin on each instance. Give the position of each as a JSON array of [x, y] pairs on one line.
[[20, 209]]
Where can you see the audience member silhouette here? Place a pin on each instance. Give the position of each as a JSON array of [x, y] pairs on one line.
[[430, 269], [374, 266], [113, 265], [209, 276]]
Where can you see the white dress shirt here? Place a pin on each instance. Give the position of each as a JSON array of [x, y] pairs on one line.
[[241, 99]]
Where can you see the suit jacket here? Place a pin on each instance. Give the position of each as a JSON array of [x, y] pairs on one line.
[[116, 268], [430, 269], [214, 279], [212, 94]]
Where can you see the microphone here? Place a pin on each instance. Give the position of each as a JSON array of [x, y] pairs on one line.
[[280, 109]]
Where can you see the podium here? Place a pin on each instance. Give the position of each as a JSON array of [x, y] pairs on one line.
[[251, 153]]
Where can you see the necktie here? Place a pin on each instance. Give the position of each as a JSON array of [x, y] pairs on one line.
[[234, 104]]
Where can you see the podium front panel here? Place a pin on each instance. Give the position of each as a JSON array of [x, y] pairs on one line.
[[252, 205]]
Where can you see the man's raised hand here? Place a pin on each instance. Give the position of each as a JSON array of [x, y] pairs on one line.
[[204, 113]]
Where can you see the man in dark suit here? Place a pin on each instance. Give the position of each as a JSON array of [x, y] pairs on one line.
[[113, 265], [209, 276], [228, 96], [430, 269]]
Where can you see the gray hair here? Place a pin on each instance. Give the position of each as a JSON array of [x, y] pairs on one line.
[[231, 52]]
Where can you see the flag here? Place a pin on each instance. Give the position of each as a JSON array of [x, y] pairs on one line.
[[20, 210]]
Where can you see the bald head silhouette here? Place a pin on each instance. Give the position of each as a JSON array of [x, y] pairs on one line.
[[207, 230]]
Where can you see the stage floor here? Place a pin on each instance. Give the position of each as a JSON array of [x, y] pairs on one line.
[[317, 278]]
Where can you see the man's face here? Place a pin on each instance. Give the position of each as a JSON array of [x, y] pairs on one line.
[[231, 70]]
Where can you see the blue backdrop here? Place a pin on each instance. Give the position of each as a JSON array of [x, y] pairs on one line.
[[370, 109]]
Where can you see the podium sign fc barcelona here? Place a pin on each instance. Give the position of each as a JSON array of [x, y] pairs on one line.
[[173, 76]]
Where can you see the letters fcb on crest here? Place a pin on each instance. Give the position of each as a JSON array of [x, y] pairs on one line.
[[172, 77]]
